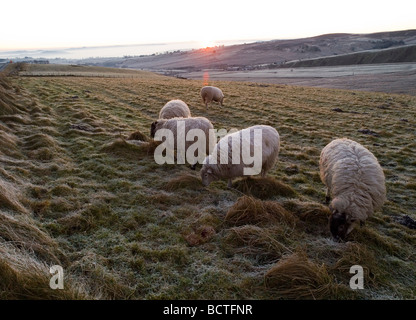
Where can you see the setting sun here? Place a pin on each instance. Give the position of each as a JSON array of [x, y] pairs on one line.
[[207, 43]]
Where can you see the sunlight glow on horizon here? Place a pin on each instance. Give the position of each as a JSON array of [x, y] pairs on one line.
[[44, 24]]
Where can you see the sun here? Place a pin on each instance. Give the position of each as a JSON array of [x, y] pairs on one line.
[[207, 43]]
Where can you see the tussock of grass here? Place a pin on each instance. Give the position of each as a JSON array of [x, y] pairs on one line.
[[8, 102], [127, 149], [296, 277], [366, 235], [199, 235], [315, 215], [9, 197], [255, 242], [263, 188], [356, 254], [8, 144], [24, 277], [249, 210], [185, 181], [137, 135]]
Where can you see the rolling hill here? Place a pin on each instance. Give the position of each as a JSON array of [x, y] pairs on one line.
[[261, 54]]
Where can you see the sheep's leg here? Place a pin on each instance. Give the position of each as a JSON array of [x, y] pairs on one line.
[[327, 196], [230, 183]]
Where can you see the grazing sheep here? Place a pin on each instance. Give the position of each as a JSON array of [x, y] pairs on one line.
[[175, 109], [356, 182], [209, 94], [189, 123], [221, 165]]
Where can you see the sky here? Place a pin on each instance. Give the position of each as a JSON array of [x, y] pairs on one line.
[[49, 24]]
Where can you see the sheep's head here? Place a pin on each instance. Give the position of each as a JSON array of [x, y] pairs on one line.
[[340, 223], [153, 129], [207, 175]]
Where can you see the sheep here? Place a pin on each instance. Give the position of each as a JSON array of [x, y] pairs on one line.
[[175, 109], [221, 165], [209, 93], [355, 181], [189, 123]]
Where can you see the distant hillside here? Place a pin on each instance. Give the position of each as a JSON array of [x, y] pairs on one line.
[[267, 53], [400, 54]]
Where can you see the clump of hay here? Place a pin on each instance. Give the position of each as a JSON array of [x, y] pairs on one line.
[[184, 182], [296, 277], [249, 210], [199, 235], [137, 135], [263, 188], [255, 242]]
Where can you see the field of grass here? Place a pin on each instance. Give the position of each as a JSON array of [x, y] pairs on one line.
[[75, 192]]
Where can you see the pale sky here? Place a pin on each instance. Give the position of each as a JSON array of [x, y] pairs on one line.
[[29, 24]]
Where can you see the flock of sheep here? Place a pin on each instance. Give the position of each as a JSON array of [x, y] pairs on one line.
[[354, 179]]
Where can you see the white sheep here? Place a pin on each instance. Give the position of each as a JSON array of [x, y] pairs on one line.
[[175, 109], [201, 123], [221, 165], [210, 93], [354, 180]]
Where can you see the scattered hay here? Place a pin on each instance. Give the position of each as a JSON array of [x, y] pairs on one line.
[[137, 135], [263, 188], [200, 235], [296, 277], [249, 210], [255, 242], [184, 182]]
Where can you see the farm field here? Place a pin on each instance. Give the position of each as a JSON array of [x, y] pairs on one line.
[[76, 192]]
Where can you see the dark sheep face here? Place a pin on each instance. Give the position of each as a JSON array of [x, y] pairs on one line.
[[153, 129], [338, 225]]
